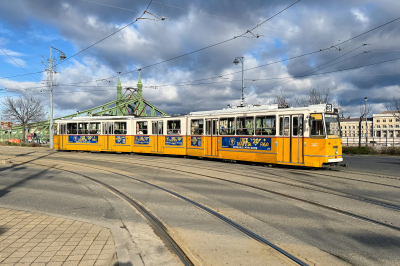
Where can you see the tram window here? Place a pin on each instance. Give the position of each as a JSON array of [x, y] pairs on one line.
[[284, 126], [332, 123], [317, 126], [215, 127], [295, 125], [83, 128], [120, 128], [245, 125], [94, 128], [174, 127], [197, 127], [141, 128], [265, 125], [108, 128], [72, 128], [62, 129], [301, 129], [227, 126]]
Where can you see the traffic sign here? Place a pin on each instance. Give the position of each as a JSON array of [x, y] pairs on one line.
[[6, 125]]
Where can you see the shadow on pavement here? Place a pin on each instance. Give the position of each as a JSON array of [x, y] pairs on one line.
[[15, 165], [7, 189]]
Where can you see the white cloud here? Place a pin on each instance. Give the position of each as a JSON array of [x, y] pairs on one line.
[[360, 16]]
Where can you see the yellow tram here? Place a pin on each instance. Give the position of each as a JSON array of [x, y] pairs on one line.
[[305, 136]]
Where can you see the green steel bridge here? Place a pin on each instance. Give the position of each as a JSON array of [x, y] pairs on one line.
[[129, 103]]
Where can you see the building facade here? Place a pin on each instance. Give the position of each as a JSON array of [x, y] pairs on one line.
[[386, 124], [350, 127]]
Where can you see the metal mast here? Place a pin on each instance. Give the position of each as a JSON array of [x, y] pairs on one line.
[[237, 60], [51, 100]]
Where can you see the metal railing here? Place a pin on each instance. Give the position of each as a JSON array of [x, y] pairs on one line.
[[372, 141]]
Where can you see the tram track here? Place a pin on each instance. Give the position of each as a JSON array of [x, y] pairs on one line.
[[330, 208], [336, 193], [159, 226]]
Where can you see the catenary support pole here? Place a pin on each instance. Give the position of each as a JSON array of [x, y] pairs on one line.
[[51, 100]]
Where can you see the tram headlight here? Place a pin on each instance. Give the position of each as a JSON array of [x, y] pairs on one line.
[[336, 152]]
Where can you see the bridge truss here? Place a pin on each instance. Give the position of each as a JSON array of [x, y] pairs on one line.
[[130, 102]]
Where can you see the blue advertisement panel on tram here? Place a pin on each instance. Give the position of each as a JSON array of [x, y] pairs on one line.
[[174, 141], [246, 143], [83, 139], [120, 140], [195, 141], [142, 140]]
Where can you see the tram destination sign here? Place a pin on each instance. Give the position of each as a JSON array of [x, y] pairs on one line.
[[6, 125], [246, 143]]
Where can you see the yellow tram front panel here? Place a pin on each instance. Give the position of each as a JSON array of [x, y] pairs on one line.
[[320, 151], [195, 146]]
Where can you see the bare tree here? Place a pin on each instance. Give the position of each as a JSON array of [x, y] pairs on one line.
[[23, 110], [314, 96], [280, 99], [365, 109], [394, 106]]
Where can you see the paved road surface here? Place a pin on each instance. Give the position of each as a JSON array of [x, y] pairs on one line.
[[292, 208], [386, 165]]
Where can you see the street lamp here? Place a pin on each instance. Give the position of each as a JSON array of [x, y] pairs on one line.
[[237, 61], [366, 125], [62, 57]]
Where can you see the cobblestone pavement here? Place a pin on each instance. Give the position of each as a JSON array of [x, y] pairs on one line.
[[28, 238]]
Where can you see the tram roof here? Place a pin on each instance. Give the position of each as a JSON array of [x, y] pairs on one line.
[[259, 108], [233, 110]]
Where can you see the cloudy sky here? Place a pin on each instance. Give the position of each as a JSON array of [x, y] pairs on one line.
[[28, 28]]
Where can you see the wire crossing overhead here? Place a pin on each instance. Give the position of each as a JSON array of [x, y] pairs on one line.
[[144, 12]]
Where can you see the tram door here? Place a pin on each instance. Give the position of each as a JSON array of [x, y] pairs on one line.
[[158, 132], [211, 138], [297, 139], [108, 130], [291, 130], [63, 130]]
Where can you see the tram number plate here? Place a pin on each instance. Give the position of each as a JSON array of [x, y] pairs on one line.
[[335, 147]]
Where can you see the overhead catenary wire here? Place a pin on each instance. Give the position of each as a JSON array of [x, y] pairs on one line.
[[340, 70], [317, 68], [18, 64], [207, 47], [108, 36], [197, 11], [86, 47], [263, 64], [179, 55], [257, 66], [368, 31], [203, 25], [111, 6]]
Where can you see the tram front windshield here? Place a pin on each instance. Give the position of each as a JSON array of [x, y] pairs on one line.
[[332, 124], [331, 127]]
